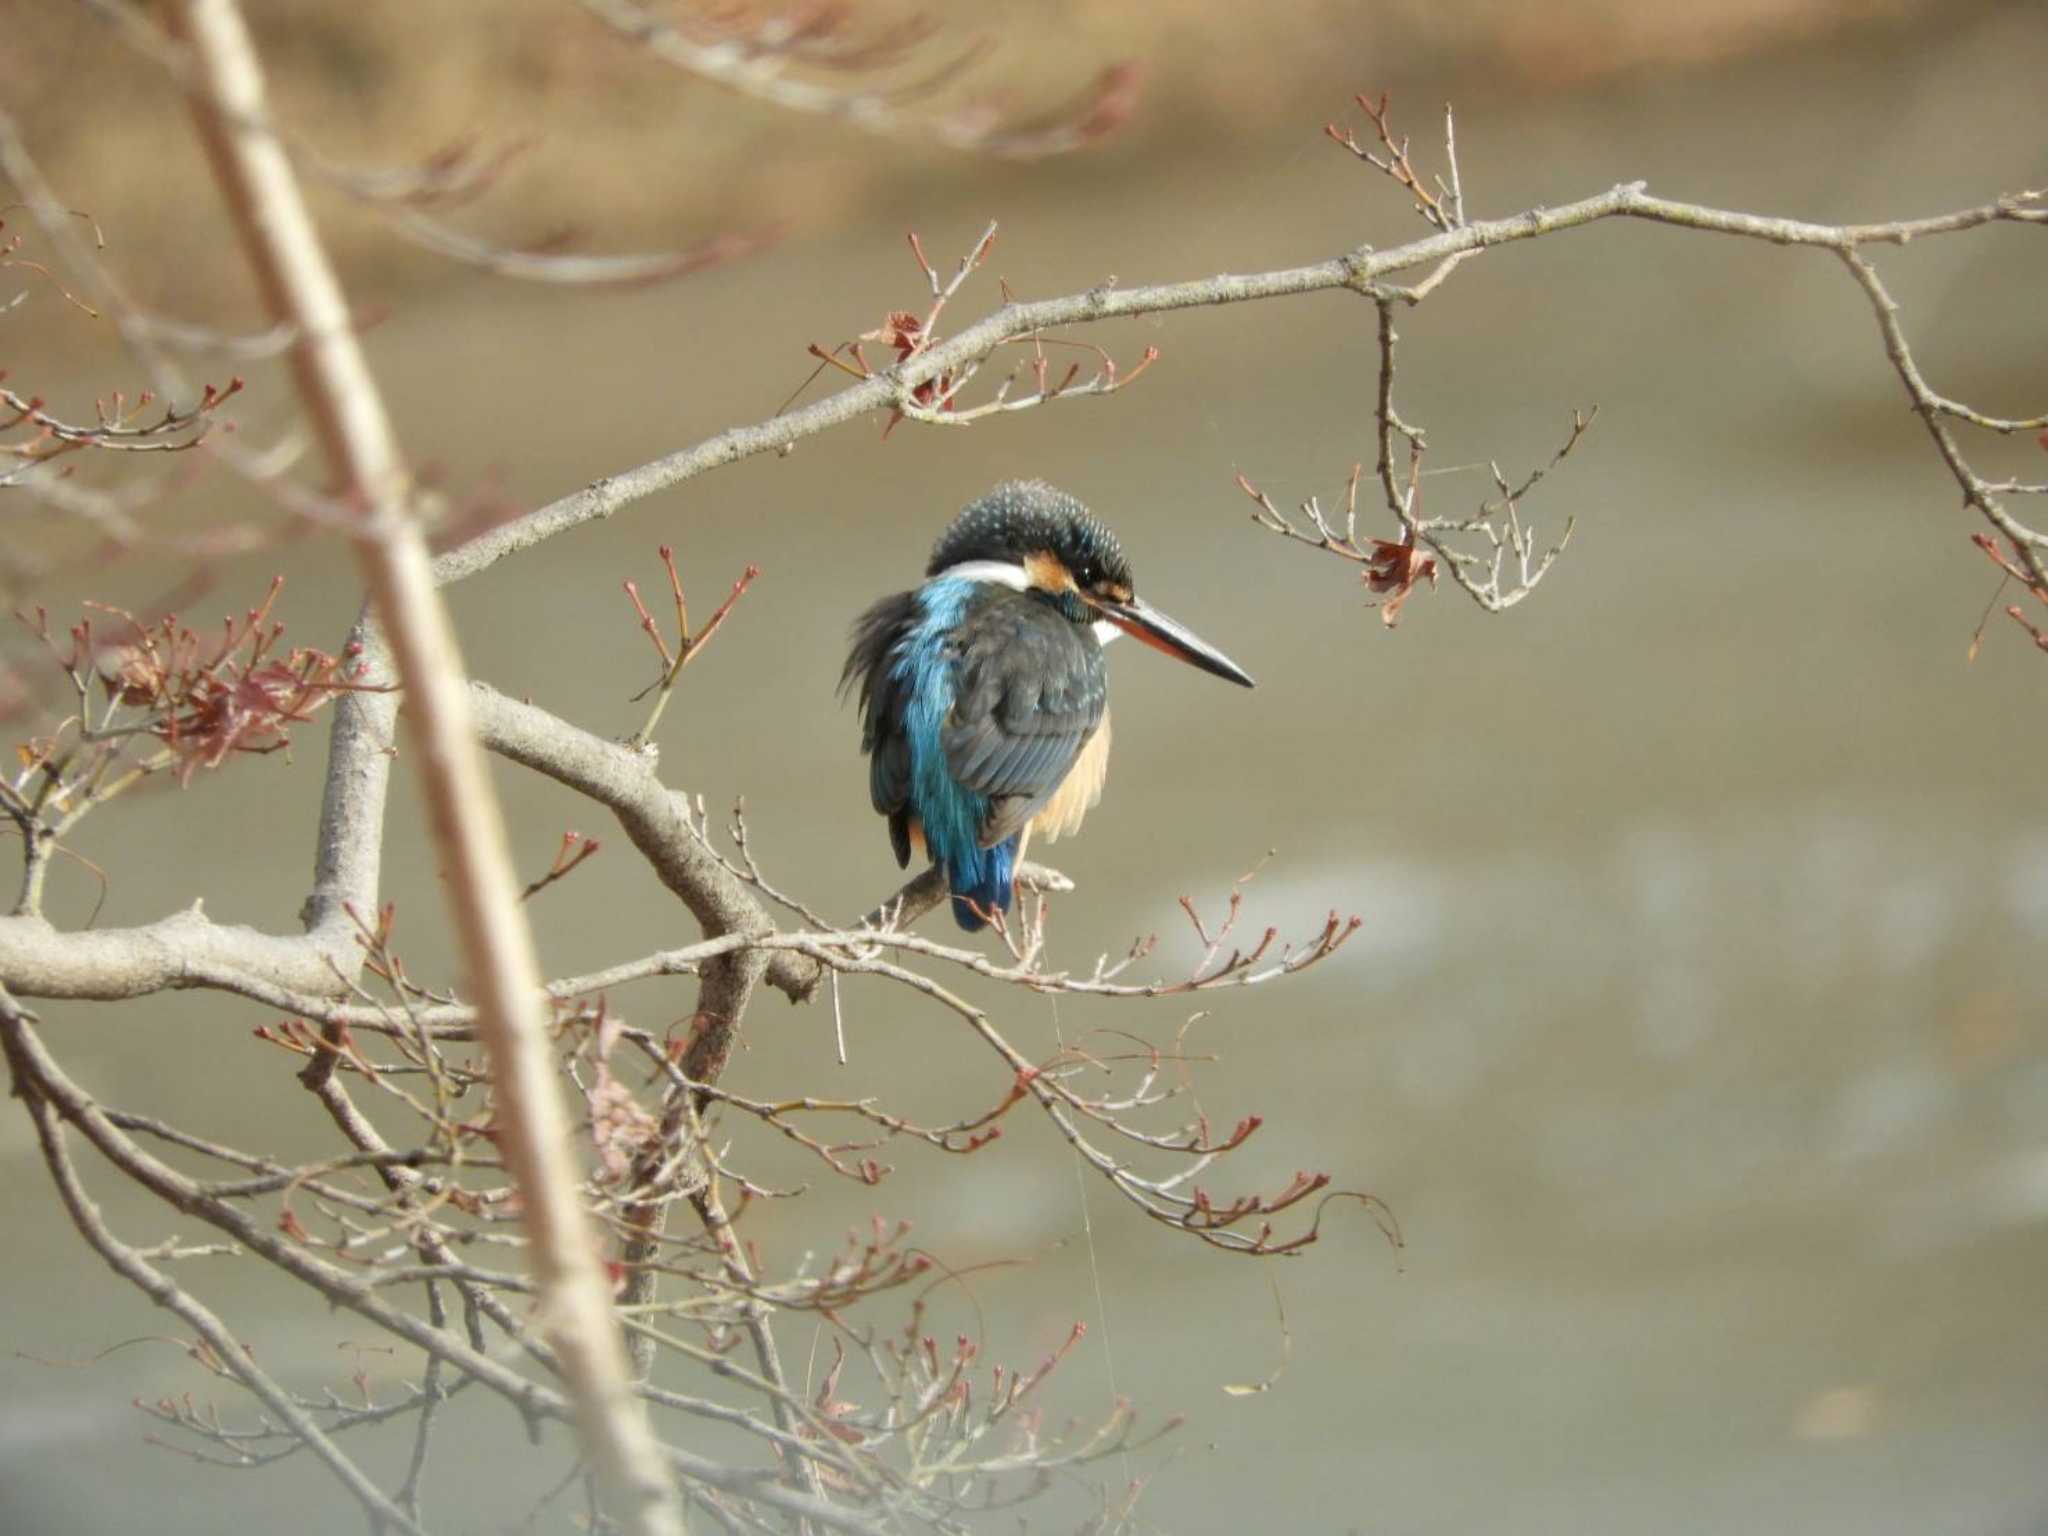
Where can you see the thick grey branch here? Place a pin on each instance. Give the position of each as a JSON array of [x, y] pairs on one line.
[[350, 842], [654, 816], [187, 949]]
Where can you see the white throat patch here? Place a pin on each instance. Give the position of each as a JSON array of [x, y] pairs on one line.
[[1001, 572]]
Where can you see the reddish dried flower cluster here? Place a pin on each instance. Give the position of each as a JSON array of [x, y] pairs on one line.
[[203, 698]]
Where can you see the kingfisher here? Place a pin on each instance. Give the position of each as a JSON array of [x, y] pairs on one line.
[[984, 701]]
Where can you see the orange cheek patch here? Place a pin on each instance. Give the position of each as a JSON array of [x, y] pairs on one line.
[[1045, 571]]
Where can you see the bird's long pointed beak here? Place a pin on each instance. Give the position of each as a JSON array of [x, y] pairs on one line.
[[1142, 621]]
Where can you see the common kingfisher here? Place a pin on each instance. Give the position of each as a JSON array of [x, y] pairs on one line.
[[983, 698]]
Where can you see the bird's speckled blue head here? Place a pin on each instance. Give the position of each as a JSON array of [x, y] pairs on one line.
[[1022, 518]]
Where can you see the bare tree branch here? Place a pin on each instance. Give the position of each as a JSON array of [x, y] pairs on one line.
[[233, 1357], [759, 62], [1360, 271], [334, 379]]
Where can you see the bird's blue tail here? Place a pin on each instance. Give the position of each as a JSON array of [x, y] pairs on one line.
[[981, 883]]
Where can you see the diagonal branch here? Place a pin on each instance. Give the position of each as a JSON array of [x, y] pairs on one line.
[[1358, 271], [757, 64], [655, 818], [349, 418]]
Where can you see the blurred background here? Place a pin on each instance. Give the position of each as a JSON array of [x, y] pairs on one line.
[[1695, 1033]]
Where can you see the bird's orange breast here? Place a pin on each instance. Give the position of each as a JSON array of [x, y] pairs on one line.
[[1079, 791]]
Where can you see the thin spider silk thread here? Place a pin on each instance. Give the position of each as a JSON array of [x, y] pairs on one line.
[[1116, 1396]]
